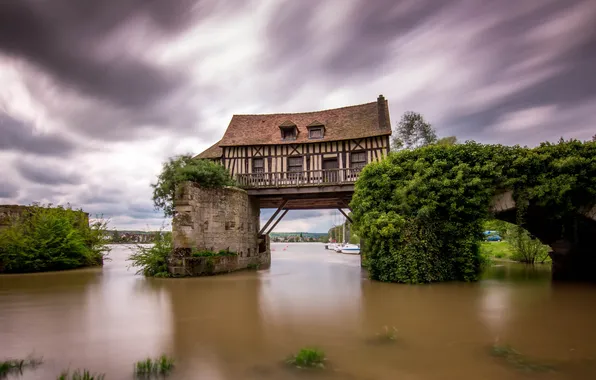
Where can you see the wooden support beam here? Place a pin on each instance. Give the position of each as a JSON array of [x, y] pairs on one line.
[[277, 221], [346, 205], [273, 216], [346, 215]]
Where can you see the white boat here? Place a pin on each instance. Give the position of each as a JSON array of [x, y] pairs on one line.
[[351, 248], [331, 246], [338, 247]]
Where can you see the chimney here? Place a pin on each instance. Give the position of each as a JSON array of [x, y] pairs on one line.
[[382, 107]]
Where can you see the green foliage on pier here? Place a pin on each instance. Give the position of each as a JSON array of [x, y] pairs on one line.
[[421, 211], [152, 261], [184, 168], [208, 253], [46, 238]]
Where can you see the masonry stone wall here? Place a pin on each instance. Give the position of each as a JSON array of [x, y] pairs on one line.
[[214, 220]]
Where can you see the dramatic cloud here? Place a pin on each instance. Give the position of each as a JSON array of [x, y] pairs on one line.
[[17, 136], [95, 95], [41, 173]]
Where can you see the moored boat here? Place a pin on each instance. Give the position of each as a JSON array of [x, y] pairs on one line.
[[351, 248]]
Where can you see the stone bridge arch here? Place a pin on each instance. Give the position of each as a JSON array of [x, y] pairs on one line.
[[572, 240]]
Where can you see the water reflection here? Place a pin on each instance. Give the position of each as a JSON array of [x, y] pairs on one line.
[[242, 325]]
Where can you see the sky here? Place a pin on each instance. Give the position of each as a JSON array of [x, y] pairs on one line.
[[95, 95]]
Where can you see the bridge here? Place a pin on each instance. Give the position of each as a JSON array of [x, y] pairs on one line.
[[572, 240]]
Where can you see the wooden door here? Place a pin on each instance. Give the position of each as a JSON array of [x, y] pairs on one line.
[[330, 172]]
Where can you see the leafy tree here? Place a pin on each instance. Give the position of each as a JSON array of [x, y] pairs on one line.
[[183, 168], [447, 141], [413, 132], [594, 138]]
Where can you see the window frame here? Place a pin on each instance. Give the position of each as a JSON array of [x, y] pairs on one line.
[[289, 166], [292, 131], [317, 129], [355, 164], [255, 169]]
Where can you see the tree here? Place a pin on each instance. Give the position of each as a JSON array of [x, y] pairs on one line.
[[183, 168], [447, 141], [413, 132], [594, 138]]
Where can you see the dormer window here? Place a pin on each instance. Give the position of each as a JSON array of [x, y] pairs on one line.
[[289, 131], [316, 130]]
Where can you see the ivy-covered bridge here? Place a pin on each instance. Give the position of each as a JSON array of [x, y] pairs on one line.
[[421, 211]]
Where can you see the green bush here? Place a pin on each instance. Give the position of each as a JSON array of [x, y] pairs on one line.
[[207, 253], [421, 211], [52, 238], [184, 168], [153, 261]]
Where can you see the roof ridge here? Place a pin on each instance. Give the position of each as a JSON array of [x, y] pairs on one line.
[[302, 113]]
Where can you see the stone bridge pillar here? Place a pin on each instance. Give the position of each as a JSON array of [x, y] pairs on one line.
[[225, 219]]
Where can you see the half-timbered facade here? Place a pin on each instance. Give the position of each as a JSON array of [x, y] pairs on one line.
[[303, 153]]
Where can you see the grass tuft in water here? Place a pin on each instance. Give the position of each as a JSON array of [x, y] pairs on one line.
[[18, 365], [78, 375], [308, 358], [517, 359], [388, 334], [160, 366]]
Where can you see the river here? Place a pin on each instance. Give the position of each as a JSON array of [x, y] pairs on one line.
[[243, 325]]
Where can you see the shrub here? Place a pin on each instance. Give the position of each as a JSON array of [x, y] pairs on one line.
[[160, 366], [308, 358], [46, 238], [207, 253], [153, 261], [184, 168], [526, 249]]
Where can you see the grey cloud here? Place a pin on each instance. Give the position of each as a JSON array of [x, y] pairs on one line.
[[75, 43], [8, 190], [38, 172], [17, 136]]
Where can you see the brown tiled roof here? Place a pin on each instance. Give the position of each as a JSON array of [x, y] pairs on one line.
[[214, 151], [340, 124]]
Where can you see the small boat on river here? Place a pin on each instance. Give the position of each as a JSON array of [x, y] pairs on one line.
[[351, 248]]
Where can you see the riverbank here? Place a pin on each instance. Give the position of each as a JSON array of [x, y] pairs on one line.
[[502, 251]]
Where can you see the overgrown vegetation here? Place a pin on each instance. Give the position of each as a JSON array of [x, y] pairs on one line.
[[46, 238], [16, 366], [518, 245], [80, 375], [207, 253], [184, 168], [153, 261], [517, 360], [149, 367], [308, 358], [421, 211]]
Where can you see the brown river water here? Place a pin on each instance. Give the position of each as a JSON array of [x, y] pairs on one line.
[[243, 325]]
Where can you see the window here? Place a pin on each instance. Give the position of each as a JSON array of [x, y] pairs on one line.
[[358, 160], [315, 133], [288, 133], [295, 164], [258, 165]]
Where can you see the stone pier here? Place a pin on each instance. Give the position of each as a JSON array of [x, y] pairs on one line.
[[225, 219]]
